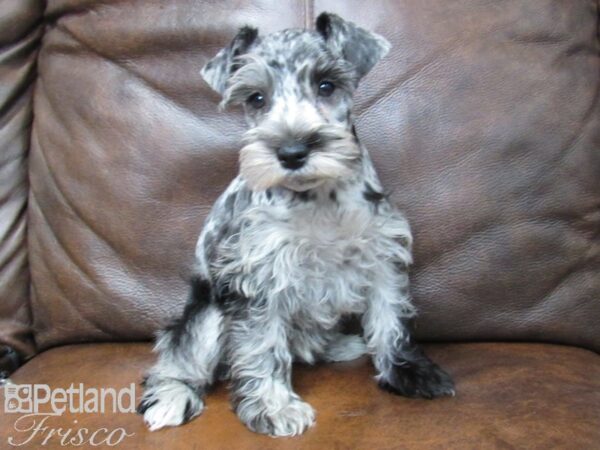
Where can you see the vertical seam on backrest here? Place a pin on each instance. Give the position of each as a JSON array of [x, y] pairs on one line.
[[309, 9]]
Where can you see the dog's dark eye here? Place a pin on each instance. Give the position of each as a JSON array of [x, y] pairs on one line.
[[326, 88], [256, 100]]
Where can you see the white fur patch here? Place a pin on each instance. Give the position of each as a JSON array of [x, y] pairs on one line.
[[170, 402]]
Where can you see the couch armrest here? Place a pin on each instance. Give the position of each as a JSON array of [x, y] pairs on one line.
[[20, 32]]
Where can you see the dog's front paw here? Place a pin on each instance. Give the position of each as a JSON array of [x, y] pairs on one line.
[[421, 378], [169, 404], [291, 420]]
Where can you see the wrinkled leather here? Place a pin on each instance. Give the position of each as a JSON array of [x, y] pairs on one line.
[[525, 396], [127, 160], [483, 123], [20, 32]]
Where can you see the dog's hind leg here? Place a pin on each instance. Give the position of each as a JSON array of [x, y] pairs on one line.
[[189, 351], [402, 366]]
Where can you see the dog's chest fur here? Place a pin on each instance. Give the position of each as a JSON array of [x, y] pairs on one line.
[[308, 256]]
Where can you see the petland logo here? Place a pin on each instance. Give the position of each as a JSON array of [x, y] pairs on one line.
[[39, 403]]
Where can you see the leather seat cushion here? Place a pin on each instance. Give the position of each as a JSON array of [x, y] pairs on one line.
[[508, 396]]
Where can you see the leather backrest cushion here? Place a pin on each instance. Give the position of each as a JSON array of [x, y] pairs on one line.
[[20, 33], [483, 122]]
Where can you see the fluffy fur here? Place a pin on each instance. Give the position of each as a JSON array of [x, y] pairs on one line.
[[286, 254]]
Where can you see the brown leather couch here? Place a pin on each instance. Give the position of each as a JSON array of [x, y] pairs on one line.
[[484, 124]]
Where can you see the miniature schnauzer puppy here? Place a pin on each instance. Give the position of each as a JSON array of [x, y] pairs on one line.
[[302, 238]]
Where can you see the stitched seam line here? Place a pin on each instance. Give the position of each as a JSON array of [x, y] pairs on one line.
[[309, 9]]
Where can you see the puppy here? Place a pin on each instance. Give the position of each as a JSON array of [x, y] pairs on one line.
[[302, 238]]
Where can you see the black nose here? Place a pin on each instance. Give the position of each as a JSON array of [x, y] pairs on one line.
[[292, 156]]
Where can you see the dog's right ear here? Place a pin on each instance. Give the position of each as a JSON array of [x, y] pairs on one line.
[[219, 69], [361, 48]]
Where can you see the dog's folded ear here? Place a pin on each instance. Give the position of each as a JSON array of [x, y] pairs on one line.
[[362, 48], [219, 69]]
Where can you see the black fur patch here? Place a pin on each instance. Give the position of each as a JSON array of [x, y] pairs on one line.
[[323, 25], [313, 140], [230, 201], [201, 290], [222, 371], [418, 378], [275, 64], [240, 44], [200, 298], [188, 413], [244, 39], [371, 195], [413, 374], [236, 305], [144, 405], [234, 67], [305, 196]]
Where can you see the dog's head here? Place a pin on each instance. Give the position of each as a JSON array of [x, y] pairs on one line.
[[296, 89]]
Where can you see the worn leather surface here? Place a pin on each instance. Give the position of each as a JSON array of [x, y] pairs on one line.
[[525, 396], [20, 32], [483, 123]]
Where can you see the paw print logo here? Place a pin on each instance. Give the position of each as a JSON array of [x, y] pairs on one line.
[[18, 398]]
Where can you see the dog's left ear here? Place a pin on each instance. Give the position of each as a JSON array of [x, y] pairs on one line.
[[362, 48], [221, 67]]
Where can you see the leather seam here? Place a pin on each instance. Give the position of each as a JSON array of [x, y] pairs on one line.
[[309, 9]]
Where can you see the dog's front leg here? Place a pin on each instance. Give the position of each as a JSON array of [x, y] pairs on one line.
[[402, 366], [261, 365]]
